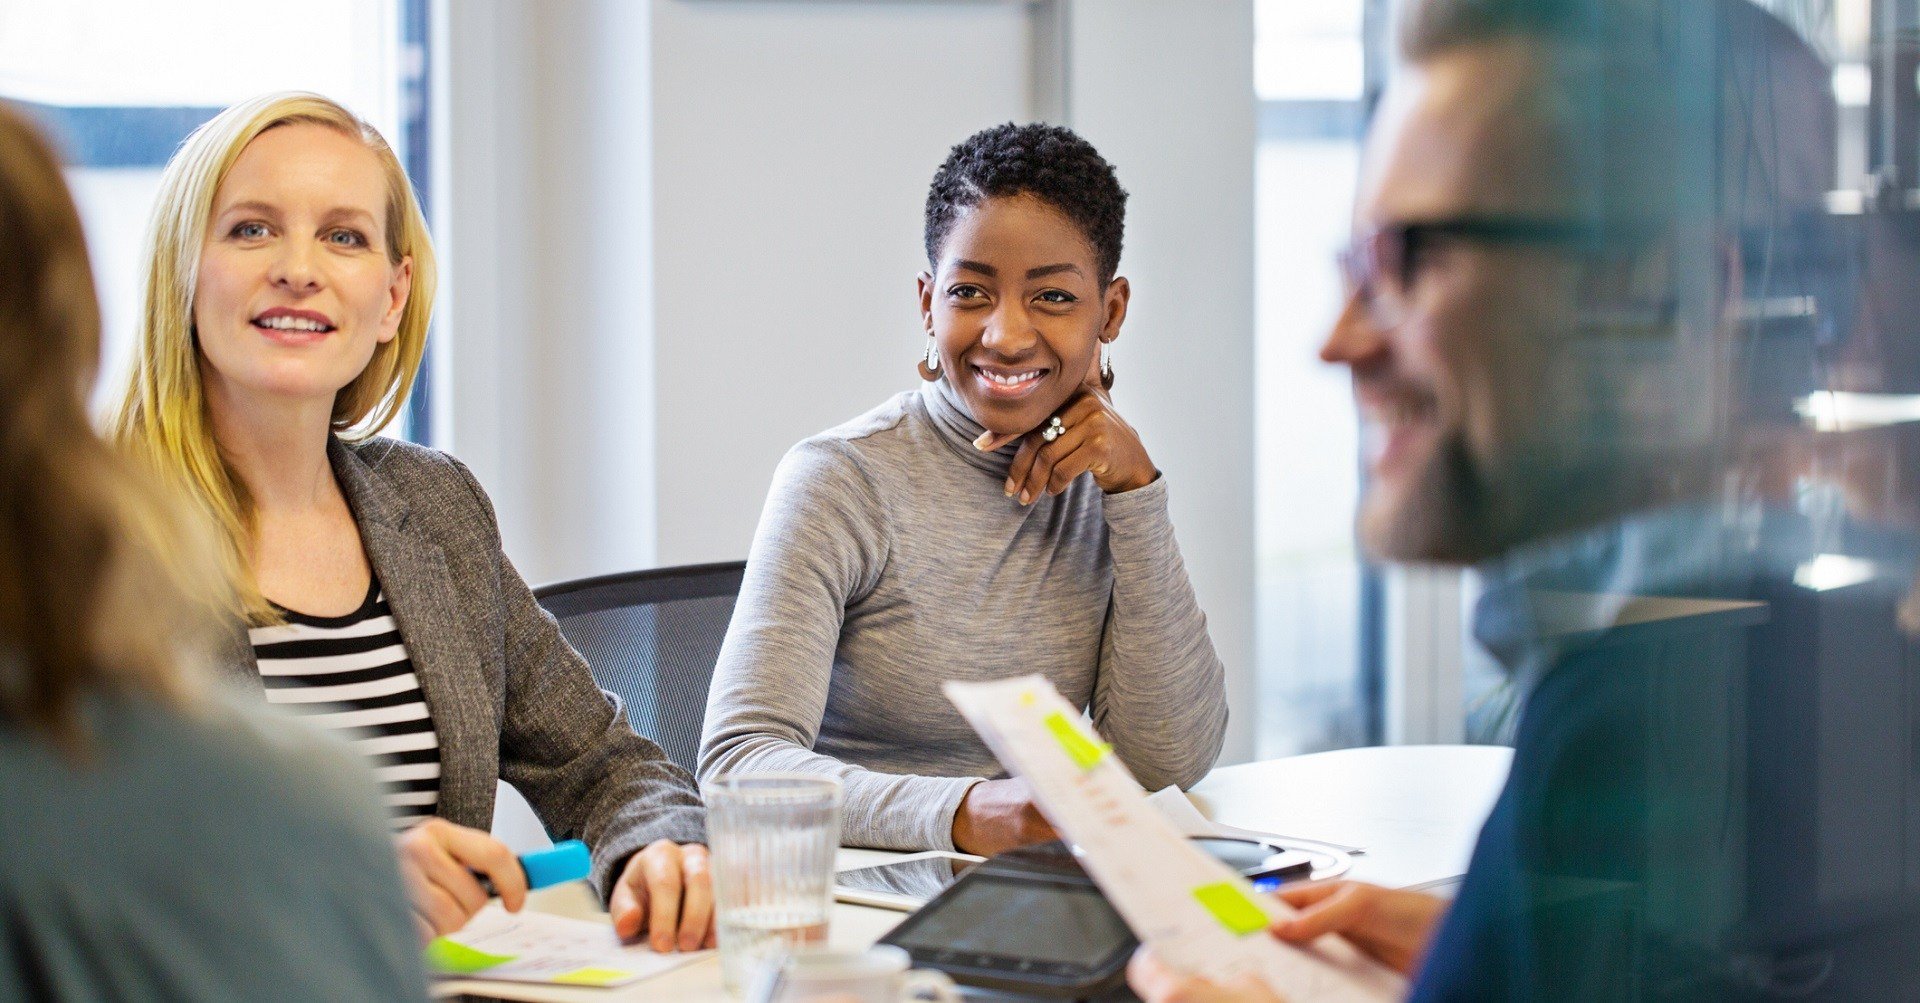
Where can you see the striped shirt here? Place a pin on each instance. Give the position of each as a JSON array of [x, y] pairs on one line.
[[352, 674]]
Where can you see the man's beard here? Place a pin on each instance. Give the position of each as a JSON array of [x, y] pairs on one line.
[[1457, 508], [1446, 514]]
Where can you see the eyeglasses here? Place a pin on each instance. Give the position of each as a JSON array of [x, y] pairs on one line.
[[1380, 267]]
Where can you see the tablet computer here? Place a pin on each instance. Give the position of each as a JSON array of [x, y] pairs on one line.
[[1022, 932], [1032, 921], [1026, 921], [905, 884]]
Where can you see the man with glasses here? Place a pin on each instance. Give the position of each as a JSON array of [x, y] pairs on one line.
[[1565, 210]]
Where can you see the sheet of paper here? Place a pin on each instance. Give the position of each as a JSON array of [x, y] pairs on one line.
[[1197, 914], [1178, 808], [530, 946], [1187, 820]]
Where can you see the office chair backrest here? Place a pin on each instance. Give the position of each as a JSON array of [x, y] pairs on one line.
[[652, 638]]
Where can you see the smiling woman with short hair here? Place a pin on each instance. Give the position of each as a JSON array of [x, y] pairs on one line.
[[1003, 519]]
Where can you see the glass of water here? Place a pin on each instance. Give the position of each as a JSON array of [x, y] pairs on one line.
[[880, 974], [773, 837]]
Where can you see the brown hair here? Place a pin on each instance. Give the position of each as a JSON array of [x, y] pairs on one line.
[[1429, 28], [97, 571]]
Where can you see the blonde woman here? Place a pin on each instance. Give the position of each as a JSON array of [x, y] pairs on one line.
[[287, 301], [158, 842]]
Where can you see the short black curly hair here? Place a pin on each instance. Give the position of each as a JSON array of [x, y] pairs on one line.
[[1048, 162]]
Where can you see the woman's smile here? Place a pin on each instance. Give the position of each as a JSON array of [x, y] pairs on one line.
[[288, 326], [1017, 311], [1008, 382]]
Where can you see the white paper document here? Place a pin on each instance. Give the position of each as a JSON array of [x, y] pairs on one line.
[[1174, 803], [1197, 914], [530, 946]]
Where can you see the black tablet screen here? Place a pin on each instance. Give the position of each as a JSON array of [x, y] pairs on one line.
[[1020, 919]]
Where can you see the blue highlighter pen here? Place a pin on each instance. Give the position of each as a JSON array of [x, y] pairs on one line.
[[565, 861]]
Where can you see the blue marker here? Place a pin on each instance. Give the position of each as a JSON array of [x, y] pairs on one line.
[[567, 861]]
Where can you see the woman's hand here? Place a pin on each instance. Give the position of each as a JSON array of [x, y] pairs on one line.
[[1391, 925], [666, 891], [1154, 982], [438, 860], [1096, 439], [999, 815]]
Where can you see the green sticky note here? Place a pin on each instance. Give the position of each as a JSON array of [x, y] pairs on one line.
[[592, 976], [1085, 752], [1231, 907], [455, 958]]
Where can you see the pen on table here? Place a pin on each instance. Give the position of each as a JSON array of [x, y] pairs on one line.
[[565, 861]]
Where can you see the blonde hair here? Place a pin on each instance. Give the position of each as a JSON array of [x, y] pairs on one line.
[[103, 583], [164, 416]]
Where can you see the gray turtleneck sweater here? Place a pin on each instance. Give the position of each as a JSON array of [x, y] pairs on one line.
[[888, 560]]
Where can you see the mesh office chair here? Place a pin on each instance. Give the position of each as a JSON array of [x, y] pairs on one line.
[[651, 638]]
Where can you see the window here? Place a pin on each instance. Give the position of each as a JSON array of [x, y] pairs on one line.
[[1316, 691], [119, 83]]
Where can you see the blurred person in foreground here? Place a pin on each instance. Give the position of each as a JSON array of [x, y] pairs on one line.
[[290, 284], [1573, 211], [159, 842]]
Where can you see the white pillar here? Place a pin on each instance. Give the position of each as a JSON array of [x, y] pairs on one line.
[[546, 337], [1165, 91]]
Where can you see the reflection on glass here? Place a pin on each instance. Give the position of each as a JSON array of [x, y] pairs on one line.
[[1842, 411], [1653, 373]]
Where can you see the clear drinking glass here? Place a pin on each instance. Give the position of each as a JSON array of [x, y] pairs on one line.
[[773, 837]]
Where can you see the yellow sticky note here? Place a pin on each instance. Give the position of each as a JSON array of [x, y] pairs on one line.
[[1085, 752], [592, 976], [455, 958], [1231, 907]]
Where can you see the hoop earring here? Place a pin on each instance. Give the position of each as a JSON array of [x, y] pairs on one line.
[[1106, 367], [930, 366]]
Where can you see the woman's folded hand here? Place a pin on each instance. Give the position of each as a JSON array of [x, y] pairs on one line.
[[999, 815]]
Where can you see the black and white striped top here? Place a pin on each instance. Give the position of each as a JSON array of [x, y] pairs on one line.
[[352, 674]]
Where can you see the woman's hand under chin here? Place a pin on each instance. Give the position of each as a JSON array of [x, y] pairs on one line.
[[1094, 439]]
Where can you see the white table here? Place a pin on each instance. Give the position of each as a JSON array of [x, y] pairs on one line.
[[1416, 809]]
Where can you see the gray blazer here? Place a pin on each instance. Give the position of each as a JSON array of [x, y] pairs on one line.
[[510, 698]]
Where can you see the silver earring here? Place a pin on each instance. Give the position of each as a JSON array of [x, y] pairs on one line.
[[933, 355], [1106, 365]]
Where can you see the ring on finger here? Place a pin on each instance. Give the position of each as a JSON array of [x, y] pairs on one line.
[[1054, 430]]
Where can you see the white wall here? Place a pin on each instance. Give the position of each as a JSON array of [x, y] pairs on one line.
[[733, 236], [793, 146]]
